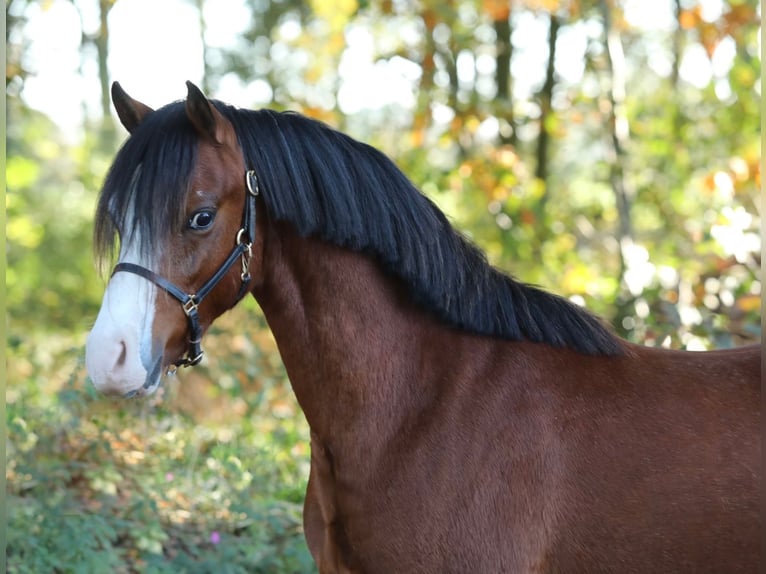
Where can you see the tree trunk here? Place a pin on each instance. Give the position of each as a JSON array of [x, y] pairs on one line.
[[618, 124], [421, 119], [678, 38], [207, 73], [503, 78], [546, 98], [678, 35], [617, 121], [101, 42]]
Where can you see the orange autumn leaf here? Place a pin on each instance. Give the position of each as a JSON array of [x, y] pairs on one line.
[[749, 303], [710, 36], [546, 5], [528, 217], [708, 183], [497, 9], [689, 19], [739, 16]]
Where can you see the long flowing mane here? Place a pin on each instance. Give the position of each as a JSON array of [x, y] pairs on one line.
[[331, 186]]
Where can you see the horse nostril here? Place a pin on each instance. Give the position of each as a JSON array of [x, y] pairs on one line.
[[123, 354]]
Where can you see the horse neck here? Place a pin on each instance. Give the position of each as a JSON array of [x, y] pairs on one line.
[[349, 338]]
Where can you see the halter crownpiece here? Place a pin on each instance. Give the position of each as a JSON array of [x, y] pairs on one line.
[[190, 301]]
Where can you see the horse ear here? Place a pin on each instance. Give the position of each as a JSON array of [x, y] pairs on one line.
[[207, 120], [131, 112]]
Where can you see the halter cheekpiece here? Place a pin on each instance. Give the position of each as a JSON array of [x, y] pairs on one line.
[[190, 301]]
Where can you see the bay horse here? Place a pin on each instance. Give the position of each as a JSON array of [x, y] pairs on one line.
[[461, 421]]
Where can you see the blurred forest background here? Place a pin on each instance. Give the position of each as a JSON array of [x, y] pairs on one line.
[[606, 150]]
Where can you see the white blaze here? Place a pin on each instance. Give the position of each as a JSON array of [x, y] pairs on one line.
[[118, 353]]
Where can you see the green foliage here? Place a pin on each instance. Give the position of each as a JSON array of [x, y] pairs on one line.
[[97, 485], [51, 189]]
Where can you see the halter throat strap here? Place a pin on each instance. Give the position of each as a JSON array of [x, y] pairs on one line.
[[190, 301]]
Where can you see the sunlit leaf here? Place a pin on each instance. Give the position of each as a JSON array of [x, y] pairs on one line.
[[21, 172], [335, 12], [497, 9], [24, 231], [689, 19]]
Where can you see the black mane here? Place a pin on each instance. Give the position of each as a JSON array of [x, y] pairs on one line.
[[348, 193]]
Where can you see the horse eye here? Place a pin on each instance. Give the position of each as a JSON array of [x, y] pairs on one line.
[[201, 220]]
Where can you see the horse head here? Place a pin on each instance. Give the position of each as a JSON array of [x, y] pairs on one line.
[[182, 202]]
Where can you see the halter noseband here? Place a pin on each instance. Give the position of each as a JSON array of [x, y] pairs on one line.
[[190, 301]]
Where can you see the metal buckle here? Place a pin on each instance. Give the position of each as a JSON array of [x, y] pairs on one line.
[[252, 183], [195, 361], [245, 261], [190, 306], [185, 362]]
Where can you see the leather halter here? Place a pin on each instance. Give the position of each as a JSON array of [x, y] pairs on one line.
[[191, 301]]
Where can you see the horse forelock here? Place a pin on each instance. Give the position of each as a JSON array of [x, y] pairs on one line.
[[142, 198]]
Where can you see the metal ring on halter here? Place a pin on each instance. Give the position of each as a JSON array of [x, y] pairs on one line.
[[250, 177]]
